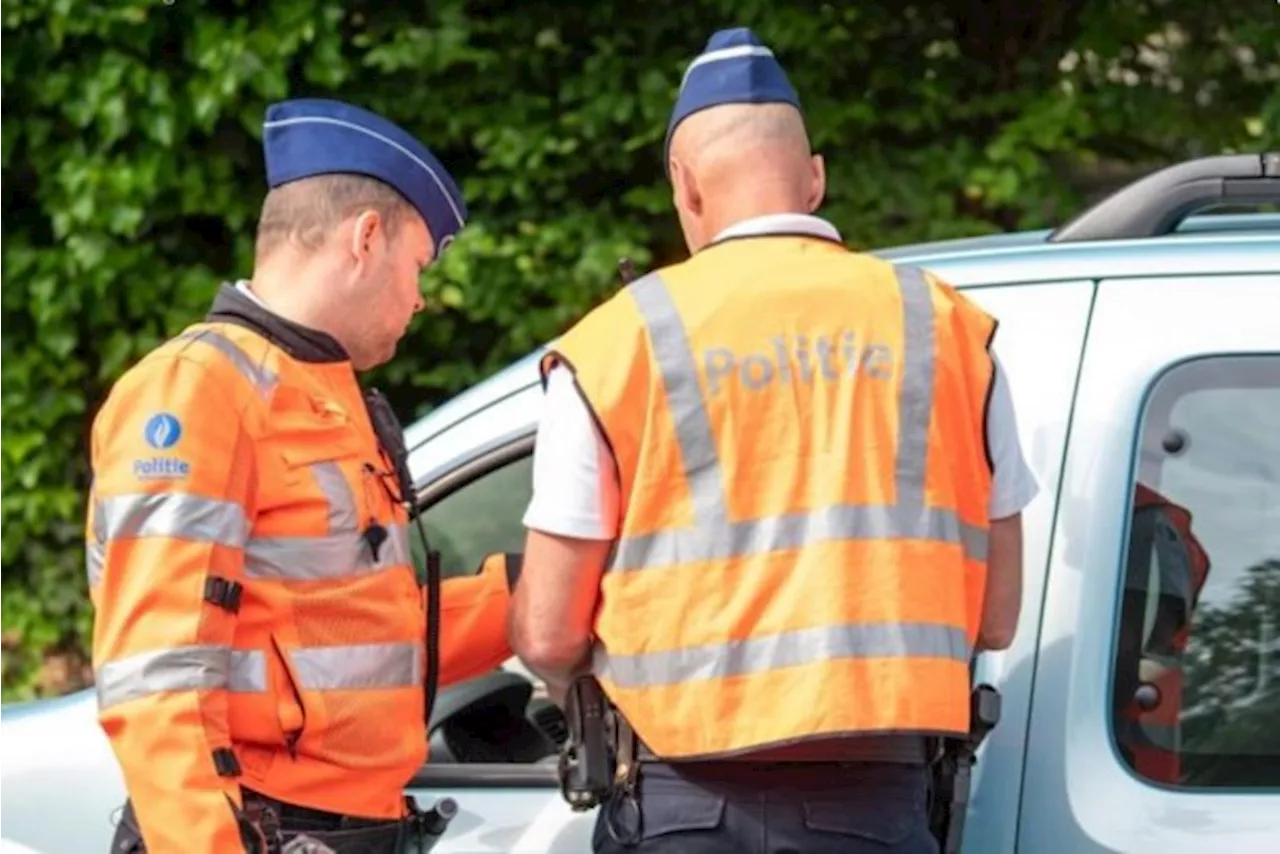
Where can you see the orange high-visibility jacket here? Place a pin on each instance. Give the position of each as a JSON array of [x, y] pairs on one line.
[[1154, 736], [246, 632], [800, 439]]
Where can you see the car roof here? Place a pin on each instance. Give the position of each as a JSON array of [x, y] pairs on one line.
[[1230, 224], [1221, 243], [1205, 245]]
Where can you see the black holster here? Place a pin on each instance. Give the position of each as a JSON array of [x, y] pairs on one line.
[[952, 769], [586, 762], [600, 760]]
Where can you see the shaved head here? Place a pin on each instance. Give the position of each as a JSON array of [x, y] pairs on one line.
[[735, 161], [734, 131]]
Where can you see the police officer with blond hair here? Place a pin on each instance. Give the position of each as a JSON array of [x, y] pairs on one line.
[[776, 509], [261, 639]]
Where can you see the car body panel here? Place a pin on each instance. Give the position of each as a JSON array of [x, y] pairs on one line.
[[55, 754], [1139, 328], [516, 377], [1048, 771], [1039, 343]]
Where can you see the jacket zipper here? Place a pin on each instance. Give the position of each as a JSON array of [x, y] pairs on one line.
[[291, 738]]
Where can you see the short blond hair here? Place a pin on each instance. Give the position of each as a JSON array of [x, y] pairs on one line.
[[305, 211]]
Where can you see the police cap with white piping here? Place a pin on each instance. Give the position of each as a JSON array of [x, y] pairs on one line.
[[734, 68], [317, 136]]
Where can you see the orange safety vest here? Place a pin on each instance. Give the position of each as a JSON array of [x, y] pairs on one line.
[[246, 632], [799, 435], [1154, 734]]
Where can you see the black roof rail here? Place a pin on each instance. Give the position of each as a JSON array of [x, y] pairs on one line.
[[1155, 205]]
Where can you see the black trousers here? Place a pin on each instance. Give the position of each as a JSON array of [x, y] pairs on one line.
[[759, 808]]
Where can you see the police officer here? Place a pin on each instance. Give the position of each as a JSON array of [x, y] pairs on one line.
[[776, 509], [259, 642]]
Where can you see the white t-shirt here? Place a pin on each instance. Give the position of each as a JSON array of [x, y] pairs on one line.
[[575, 489]]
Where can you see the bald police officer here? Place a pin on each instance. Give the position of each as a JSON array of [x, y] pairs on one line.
[[260, 641], [776, 509]]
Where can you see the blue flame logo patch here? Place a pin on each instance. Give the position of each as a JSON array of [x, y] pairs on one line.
[[162, 430]]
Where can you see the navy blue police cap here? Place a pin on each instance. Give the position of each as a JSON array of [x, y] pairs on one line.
[[317, 136], [734, 68]]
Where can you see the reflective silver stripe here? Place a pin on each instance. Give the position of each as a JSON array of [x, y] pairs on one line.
[[263, 379], [713, 537], [173, 514], [340, 553], [248, 672], [95, 558], [99, 520], [698, 450], [342, 668], [185, 668], [95, 552], [788, 649], [342, 503], [915, 395], [798, 530], [244, 671], [396, 549], [323, 557]]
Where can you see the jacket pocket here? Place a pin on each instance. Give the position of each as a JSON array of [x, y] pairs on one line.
[[305, 447], [291, 710]]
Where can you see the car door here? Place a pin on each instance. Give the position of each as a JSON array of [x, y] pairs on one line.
[[507, 794], [1040, 342], [1153, 723]]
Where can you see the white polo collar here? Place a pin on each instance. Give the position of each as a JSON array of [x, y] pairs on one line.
[[242, 285], [783, 223]]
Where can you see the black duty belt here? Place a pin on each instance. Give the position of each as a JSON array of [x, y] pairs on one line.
[[286, 828]]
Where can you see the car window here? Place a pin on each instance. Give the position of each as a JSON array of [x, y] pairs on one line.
[[1196, 680], [478, 519]]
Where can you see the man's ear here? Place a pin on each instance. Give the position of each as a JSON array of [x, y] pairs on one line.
[[365, 235], [817, 182], [684, 188]]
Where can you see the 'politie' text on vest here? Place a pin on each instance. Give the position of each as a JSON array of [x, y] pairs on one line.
[[784, 357]]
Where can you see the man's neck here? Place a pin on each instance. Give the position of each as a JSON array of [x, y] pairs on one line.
[[291, 294]]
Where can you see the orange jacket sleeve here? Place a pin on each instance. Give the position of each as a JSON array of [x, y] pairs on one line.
[[168, 516], [473, 619]]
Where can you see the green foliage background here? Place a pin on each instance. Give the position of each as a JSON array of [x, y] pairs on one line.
[[132, 174]]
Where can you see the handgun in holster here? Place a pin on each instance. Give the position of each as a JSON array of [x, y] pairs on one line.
[[585, 767], [953, 769], [600, 761]]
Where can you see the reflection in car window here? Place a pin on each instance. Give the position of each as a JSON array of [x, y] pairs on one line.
[[478, 519], [1196, 691]]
